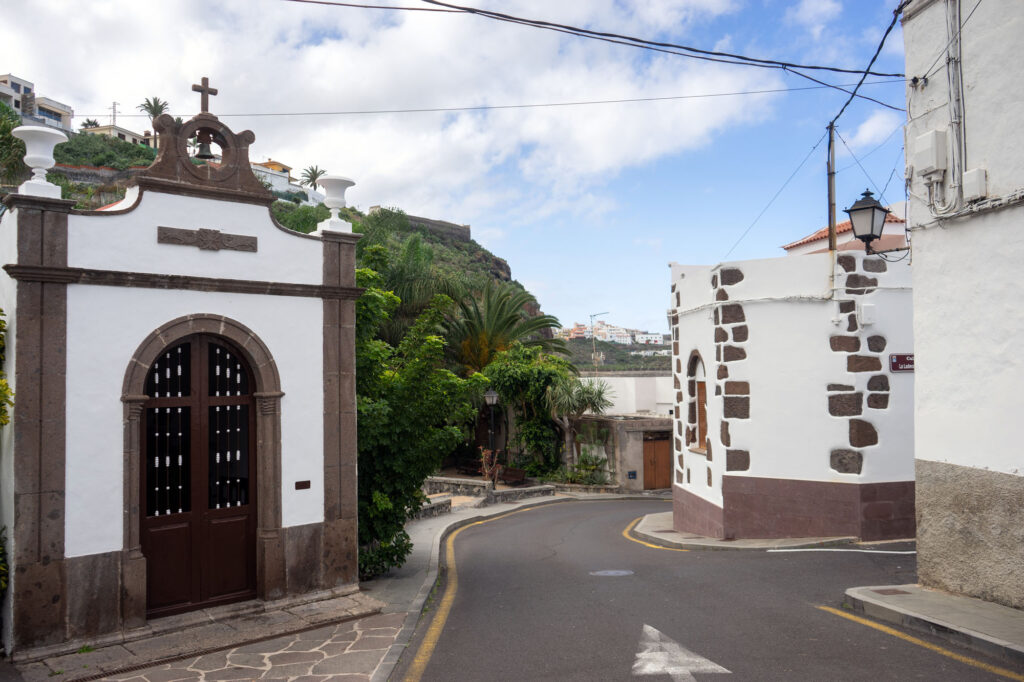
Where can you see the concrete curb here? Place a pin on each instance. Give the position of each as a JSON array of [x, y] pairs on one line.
[[674, 540], [863, 601], [415, 608]]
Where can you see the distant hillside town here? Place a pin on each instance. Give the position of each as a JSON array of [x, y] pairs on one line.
[[611, 333]]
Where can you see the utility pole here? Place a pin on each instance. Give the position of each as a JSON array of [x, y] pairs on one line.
[[593, 340], [831, 166], [113, 115]]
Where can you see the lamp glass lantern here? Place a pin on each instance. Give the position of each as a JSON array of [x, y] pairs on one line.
[[491, 397], [867, 217]]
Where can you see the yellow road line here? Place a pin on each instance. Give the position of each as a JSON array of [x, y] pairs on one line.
[[995, 670], [426, 650], [629, 529]]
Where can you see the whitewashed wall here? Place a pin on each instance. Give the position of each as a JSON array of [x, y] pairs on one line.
[[638, 394], [790, 317], [107, 324]]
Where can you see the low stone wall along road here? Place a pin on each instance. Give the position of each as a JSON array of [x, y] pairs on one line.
[[558, 592]]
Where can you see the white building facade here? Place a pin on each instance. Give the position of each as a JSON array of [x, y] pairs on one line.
[[965, 163], [790, 420]]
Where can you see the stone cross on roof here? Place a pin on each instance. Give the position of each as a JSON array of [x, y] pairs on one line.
[[206, 91]]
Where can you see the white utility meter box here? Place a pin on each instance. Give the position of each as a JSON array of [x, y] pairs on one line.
[[930, 152]]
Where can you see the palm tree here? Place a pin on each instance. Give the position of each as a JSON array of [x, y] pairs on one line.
[[311, 176], [485, 328], [90, 123], [153, 107], [568, 400]]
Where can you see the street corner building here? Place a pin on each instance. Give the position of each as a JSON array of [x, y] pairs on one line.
[[184, 433], [793, 404]]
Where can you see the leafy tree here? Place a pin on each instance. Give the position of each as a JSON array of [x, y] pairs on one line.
[[485, 328], [90, 123], [12, 150], [311, 176], [302, 219], [568, 398], [522, 376], [411, 414], [153, 107], [102, 150]]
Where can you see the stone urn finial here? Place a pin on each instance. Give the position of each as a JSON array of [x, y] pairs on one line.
[[334, 187], [39, 143]]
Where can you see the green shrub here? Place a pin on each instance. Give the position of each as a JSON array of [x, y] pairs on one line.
[[102, 150]]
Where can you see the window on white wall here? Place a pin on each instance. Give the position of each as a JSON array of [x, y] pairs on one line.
[[697, 411]]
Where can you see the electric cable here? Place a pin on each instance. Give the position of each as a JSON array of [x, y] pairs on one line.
[[929, 71], [880, 145], [776, 196], [489, 107], [874, 184]]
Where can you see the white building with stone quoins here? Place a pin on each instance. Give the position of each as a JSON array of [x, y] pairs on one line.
[[965, 171], [789, 420], [184, 430]]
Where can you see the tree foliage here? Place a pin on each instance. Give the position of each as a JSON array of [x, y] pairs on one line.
[[302, 219], [90, 123], [487, 327], [102, 150], [569, 398], [12, 150], [311, 176], [411, 414], [522, 376]]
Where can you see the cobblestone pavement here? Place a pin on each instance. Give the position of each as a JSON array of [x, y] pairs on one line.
[[349, 652]]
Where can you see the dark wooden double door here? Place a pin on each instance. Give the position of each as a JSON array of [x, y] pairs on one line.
[[657, 462], [198, 501]]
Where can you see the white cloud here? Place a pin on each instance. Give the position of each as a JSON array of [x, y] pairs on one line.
[[267, 56], [814, 15], [876, 128]]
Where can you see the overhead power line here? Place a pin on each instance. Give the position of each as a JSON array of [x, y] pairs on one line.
[[487, 107], [772, 63], [774, 197], [881, 194]]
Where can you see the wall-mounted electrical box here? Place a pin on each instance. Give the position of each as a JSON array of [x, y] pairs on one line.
[[930, 152], [975, 184]]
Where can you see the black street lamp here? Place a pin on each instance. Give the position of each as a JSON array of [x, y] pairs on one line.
[[867, 217]]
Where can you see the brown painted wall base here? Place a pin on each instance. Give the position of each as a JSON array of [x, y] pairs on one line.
[[780, 508], [970, 531]]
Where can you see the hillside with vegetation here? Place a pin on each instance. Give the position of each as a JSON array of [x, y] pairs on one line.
[[617, 356]]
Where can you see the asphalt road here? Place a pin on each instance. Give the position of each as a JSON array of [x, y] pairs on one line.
[[531, 603]]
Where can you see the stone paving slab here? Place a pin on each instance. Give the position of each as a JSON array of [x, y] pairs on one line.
[[226, 650]]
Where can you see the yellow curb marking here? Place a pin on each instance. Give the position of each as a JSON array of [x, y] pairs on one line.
[[629, 529], [995, 670], [419, 664]]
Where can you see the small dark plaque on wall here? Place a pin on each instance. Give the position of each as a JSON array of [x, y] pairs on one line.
[[302, 485], [631, 475], [901, 362]]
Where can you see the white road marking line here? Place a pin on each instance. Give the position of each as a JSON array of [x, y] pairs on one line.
[[661, 655], [858, 551]]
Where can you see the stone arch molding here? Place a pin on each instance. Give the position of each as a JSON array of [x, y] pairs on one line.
[[270, 571]]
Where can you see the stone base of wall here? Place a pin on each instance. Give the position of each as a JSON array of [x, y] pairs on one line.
[[457, 486], [693, 514], [784, 508], [970, 532]]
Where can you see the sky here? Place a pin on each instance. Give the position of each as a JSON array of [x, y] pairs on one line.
[[587, 203]]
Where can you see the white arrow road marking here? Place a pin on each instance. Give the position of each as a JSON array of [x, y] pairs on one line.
[[661, 655]]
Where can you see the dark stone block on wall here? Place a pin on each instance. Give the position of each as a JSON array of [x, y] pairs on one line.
[[876, 344], [851, 324], [879, 382], [716, 316], [736, 407], [845, 404], [874, 265], [862, 433], [859, 284], [737, 460], [740, 333], [718, 389], [847, 344], [863, 363], [707, 448], [847, 306], [878, 401], [714, 281], [839, 387], [846, 461], [724, 433], [733, 313], [723, 372], [737, 388], [721, 295], [731, 276], [732, 354], [847, 262], [721, 335]]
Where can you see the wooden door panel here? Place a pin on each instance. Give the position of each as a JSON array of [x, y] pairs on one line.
[[649, 475], [227, 562], [169, 564], [663, 463]]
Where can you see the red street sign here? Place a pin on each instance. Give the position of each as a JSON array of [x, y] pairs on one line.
[[901, 362]]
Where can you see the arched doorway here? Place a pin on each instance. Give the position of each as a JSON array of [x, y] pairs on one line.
[[197, 477]]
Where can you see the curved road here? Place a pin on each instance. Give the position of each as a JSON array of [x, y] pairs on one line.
[[556, 592]]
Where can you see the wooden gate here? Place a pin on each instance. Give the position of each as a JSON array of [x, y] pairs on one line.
[[198, 501], [657, 462]]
